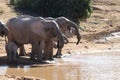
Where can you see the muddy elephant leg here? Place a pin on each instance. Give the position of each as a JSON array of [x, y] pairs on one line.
[[14, 54], [8, 52], [35, 48], [48, 50], [39, 53], [9, 55], [22, 50], [46, 53], [59, 52], [15, 57]]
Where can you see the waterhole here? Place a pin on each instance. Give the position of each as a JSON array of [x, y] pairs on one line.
[[72, 67], [92, 65]]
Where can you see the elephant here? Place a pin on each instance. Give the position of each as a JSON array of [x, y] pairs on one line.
[[39, 33], [11, 49], [3, 29], [65, 25]]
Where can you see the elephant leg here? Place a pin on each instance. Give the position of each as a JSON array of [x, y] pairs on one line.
[[35, 48], [46, 53], [14, 57], [48, 50], [58, 54], [8, 52], [39, 54], [9, 55], [22, 50]]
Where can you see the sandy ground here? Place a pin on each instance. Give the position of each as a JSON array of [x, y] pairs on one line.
[[104, 20]]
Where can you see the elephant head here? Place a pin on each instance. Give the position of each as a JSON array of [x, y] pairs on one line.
[[55, 31], [3, 29], [66, 24]]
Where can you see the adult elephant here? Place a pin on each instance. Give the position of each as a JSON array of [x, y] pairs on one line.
[[65, 25], [24, 30]]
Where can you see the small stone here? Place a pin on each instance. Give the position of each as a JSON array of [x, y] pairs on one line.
[[86, 47], [109, 48]]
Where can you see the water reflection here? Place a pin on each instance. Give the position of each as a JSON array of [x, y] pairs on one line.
[[3, 70], [75, 67]]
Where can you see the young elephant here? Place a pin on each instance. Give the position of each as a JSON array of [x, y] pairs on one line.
[[11, 49], [39, 33]]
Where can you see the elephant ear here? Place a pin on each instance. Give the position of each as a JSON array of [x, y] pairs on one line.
[[62, 22], [66, 24], [50, 31]]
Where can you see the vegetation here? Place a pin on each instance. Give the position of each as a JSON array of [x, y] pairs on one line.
[[72, 9]]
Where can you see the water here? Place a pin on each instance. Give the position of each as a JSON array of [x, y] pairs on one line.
[[92, 65], [73, 67]]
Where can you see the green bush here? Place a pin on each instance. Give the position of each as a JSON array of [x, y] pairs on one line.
[[72, 9]]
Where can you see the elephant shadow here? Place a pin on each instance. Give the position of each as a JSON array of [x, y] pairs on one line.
[[22, 60]]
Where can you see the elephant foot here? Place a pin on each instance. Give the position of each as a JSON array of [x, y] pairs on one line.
[[44, 58], [50, 62], [51, 59], [22, 54], [31, 58], [57, 56], [40, 60], [13, 62]]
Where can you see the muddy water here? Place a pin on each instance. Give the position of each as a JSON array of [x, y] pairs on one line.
[[92, 65], [73, 67]]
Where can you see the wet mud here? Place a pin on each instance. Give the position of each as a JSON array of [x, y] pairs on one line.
[[91, 65], [70, 67]]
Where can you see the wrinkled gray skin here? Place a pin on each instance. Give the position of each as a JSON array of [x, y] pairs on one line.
[[24, 30], [65, 25], [3, 29], [11, 49]]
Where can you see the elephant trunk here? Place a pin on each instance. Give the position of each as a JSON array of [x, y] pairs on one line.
[[60, 37], [72, 24], [60, 40]]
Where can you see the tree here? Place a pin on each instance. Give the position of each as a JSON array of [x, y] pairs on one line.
[[72, 9]]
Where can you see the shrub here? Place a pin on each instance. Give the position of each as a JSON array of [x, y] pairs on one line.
[[72, 9]]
